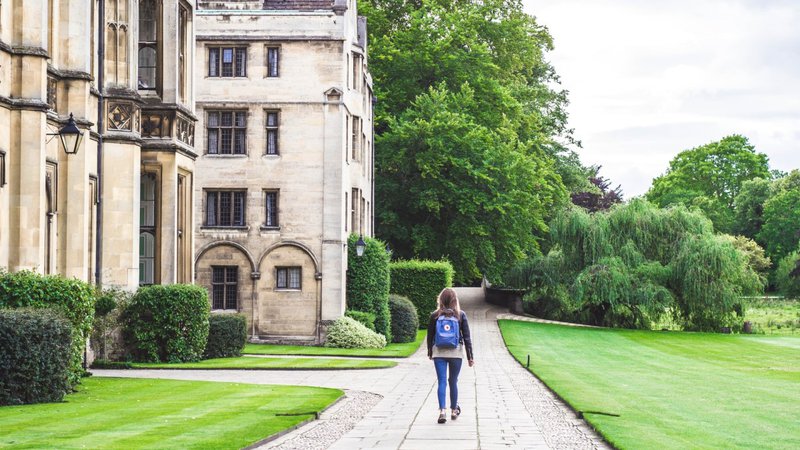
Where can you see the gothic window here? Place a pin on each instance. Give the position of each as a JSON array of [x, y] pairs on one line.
[[147, 257], [148, 44], [288, 277], [225, 208], [224, 287], [272, 133], [117, 41], [227, 132], [2, 168]]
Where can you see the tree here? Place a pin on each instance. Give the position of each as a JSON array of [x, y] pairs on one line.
[[715, 171], [629, 265], [600, 198], [470, 130], [749, 207], [780, 233], [468, 193]]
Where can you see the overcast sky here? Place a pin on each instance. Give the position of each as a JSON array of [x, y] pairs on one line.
[[650, 79]]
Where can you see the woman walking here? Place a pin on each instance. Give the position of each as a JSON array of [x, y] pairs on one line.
[[448, 337]]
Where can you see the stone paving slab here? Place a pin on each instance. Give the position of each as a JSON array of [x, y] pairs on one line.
[[503, 405]]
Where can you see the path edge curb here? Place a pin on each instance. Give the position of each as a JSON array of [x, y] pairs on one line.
[[578, 414], [296, 426]]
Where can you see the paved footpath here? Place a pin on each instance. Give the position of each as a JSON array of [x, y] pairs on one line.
[[503, 405]]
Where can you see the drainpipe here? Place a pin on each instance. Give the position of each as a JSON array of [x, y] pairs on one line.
[[372, 166], [101, 68]]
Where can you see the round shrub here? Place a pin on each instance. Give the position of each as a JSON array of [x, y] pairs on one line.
[[347, 333], [167, 323], [787, 275], [34, 356], [368, 282], [227, 335], [404, 319], [364, 318], [72, 297]]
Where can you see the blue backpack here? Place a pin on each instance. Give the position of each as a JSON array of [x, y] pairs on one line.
[[447, 332]]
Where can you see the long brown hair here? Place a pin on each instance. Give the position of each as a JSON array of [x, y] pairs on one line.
[[448, 300]]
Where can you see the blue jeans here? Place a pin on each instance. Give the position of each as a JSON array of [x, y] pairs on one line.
[[442, 365]]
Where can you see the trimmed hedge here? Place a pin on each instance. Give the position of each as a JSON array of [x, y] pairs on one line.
[[347, 333], [34, 356], [368, 282], [364, 318], [73, 298], [167, 323], [404, 319], [227, 334], [421, 281], [106, 332]]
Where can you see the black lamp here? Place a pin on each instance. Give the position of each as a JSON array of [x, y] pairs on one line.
[[71, 136], [360, 245]]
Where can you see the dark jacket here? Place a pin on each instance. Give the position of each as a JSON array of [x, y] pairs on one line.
[[463, 326]]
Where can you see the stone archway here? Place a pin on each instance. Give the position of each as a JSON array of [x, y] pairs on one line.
[[288, 293]]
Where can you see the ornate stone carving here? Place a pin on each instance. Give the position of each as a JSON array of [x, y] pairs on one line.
[[157, 124], [185, 131], [52, 92], [122, 116]]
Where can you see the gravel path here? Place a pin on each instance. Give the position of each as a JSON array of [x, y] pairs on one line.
[[504, 406]]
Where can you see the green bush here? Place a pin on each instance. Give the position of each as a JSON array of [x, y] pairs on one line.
[[421, 282], [368, 282], [74, 298], [787, 275], [364, 318], [167, 323], [34, 356], [405, 321], [347, 333], [227, 334]]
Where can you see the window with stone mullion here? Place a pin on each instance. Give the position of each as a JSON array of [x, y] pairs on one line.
[[227, 132], [224, 287], [225, 208]]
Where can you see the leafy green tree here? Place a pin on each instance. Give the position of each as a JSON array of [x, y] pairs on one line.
[[715, 171], [468, 193], [781, 230], [788, 275], [631, 264], [749, 207], [471, 130]]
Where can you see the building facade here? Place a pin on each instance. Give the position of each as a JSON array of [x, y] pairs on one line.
[[118, 212], [284, 172]]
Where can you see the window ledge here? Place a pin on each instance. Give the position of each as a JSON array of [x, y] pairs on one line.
[[220, 228], [267, 228], [271, 155], [225, 155], [287, 290], [224, 311]]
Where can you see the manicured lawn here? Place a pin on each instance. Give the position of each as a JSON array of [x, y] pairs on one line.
[[390, 351], [259, 363], [670, 389], [137, 413]]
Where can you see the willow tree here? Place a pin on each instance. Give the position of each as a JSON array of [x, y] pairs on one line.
[[629, 266]]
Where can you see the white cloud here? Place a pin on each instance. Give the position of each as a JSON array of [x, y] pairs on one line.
[[649, 79]]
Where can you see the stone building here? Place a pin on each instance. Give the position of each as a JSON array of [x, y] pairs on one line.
[[284, 172], [119, 211]]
